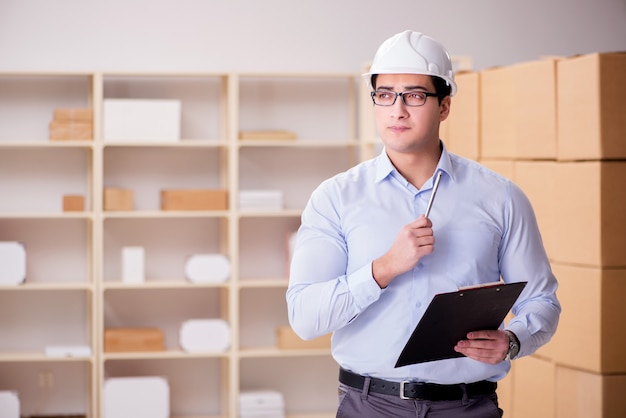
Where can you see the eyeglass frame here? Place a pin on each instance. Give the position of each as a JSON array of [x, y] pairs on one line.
[[425, 93]]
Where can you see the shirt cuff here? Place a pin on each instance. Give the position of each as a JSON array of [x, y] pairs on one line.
[[524, 338], [363, 287]]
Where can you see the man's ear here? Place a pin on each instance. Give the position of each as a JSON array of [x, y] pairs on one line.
[[444, 108]]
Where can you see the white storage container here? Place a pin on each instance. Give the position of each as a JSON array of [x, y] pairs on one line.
[[136, 397], [131, 120]]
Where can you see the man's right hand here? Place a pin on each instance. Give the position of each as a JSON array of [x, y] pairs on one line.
[[414, 241]]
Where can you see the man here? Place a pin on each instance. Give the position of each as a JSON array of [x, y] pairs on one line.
[[367, 262]]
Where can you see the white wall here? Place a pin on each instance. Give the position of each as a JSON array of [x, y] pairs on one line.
[[291, 35]]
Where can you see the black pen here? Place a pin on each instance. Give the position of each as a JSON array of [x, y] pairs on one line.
[[432, 196]]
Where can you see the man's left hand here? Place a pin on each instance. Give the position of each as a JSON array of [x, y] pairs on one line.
[[490, 346]]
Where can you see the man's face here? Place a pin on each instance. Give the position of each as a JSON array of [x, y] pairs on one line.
[[407, 129]]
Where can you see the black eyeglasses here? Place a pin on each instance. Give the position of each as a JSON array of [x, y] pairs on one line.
[[409, 98]]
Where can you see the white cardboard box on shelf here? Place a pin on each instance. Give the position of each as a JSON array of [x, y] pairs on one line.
[[205, 335], [62, 351], [13, 262], [261, 199], [9, 404], [145, 120], [261, 403], [207, 268], [133, 265], [136, 397]]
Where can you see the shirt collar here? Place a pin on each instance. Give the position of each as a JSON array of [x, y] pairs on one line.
[[384, 166]]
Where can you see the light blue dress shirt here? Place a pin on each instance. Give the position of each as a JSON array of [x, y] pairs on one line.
[[484, 229]]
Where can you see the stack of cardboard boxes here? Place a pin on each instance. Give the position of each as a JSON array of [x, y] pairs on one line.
[[557, 127], [71, 124]]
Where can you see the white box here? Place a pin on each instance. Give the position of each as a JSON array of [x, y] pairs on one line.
[[261, 403], [136, 397], [205, 335], [9, 404], [133, 265], [141, 120], [63, 351], [13, 262], [261, 199], [207, 268]]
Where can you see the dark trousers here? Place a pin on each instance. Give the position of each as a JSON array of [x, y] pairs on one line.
[[357, 403]]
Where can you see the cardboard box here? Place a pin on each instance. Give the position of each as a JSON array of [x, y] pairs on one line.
[[62, 130], [536, 179], [505, 392], [200, 199], [116, 199], [267, 135], [287, 339], [534, 388], [591, 107], [141, 396], [133, 265], [591, 334], [590, 203], [535, 109], [133, 339], [462, 128], [205, 335], [497, 113], [261, 403], [518, 111], [505, 168], [126, 120], [580, 394], [9, 404], [13, 262], [73, 203], [261, 199], [74, 114]]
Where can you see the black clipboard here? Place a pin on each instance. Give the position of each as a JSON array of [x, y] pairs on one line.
[[450, 316]]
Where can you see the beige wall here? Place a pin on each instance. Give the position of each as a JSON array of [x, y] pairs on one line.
[[288, 35]]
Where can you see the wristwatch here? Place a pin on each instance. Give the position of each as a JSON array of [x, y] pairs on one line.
[[513, 345]]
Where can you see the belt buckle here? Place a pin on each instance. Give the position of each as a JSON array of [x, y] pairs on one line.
[[402, 395]]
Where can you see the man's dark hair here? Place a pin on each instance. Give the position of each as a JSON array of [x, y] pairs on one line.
[[442, 88]]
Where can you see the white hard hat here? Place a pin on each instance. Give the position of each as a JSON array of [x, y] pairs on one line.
[[412, 52]]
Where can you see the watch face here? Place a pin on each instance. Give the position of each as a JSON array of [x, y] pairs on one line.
[[513, 346]]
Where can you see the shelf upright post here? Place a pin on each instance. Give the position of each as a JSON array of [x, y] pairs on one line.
[[97, 243]]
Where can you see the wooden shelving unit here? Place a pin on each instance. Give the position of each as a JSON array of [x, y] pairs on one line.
[[73, 288]]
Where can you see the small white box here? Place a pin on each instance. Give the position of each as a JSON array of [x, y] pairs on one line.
[[261, 403], [62, 351], [136, 397], [207, 268], [261, 199], [133, 260], [205, 335], [13, 262], [9, 404], [127, 120]]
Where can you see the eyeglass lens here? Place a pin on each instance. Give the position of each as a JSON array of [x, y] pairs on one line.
[[388, 98]]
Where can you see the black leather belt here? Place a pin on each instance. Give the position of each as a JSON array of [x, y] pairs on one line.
[[418, 390]]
